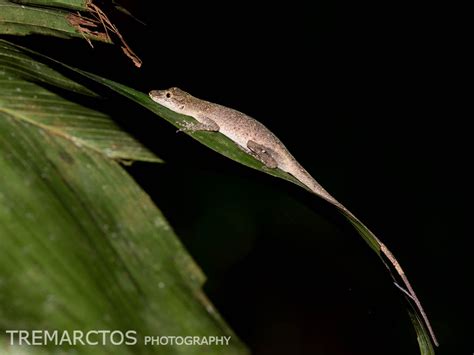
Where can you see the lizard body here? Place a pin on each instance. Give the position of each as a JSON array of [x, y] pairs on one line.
[[252, 136]]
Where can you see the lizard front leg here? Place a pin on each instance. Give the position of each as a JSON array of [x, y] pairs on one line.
[[204, 124], [262, 153]]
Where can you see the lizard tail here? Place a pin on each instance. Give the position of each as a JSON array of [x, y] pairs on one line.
[[295, 169]]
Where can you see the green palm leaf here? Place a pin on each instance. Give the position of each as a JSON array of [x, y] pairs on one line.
[[83, 247]]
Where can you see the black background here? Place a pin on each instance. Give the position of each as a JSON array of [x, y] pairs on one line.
[[368, 97]]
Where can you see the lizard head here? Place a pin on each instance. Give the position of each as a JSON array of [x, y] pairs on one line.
[[173, 98]]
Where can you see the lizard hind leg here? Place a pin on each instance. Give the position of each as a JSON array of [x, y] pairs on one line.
[[262, 153]]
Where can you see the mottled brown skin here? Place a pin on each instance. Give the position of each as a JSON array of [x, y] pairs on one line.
[[257, 140], [248, 133]]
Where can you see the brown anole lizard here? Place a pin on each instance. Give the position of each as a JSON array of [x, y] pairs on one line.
[[258, 141]]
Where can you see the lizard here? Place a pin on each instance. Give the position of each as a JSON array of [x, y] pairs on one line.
[[257, 140]]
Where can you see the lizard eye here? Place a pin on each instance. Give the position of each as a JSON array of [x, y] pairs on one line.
[[168, 95]]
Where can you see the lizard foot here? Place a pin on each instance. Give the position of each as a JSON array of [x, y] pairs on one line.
[[263, 154]]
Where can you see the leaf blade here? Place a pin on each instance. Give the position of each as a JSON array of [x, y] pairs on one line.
[[24, 93], [19, 19], [86, 248], [65, 4]]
